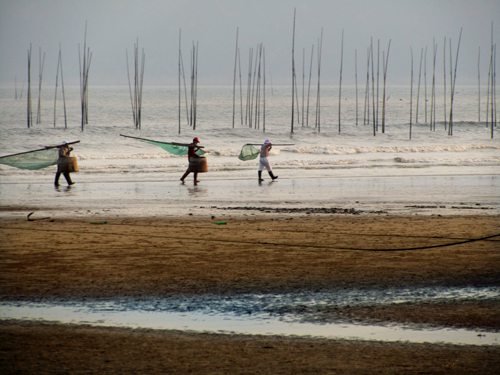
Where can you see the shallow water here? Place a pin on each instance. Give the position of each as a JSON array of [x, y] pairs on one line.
[[264, 314]]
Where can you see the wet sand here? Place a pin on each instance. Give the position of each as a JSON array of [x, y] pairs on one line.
[[106, 257]]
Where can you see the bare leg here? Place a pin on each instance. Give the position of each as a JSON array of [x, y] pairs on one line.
[[185, 175]]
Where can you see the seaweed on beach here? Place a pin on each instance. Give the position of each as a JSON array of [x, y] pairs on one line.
[[306, 210]]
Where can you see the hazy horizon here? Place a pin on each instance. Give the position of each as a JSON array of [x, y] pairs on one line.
[[113, 26]]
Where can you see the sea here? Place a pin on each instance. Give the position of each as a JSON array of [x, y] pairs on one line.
[[346, 138]]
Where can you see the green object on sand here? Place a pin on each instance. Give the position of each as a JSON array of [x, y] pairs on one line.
[[220, 223]]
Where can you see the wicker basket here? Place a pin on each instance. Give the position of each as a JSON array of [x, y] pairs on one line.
[[198, 165], [67, 164]]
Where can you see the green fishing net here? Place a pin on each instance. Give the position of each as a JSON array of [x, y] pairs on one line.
[[32, 160], [173, 149], [248, 152]]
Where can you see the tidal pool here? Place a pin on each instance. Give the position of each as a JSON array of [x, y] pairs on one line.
[[262, 314]]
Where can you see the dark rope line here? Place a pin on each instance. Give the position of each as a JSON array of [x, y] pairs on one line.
[[291, 231], [273, 243]]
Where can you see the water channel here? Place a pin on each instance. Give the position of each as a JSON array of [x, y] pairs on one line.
[[264, 314]]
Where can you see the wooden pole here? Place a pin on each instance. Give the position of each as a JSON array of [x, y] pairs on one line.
[[425, 84], [433, 88], [479, 86], [41, 64], [418, 90], [367, 89], [234, 77], [196, 87], [28, 111], [340, 82], [264, 92], [378, 79], [356, 80], [385, 77], [185, 90], [453, 85], [309, 85], [411, 89], [373, 89], [293, 68], [130, 88], [249, 81], [57, 82], [318, 96], [241, 89], [444, 82], [303, 81], [179, 82], [62, 86]]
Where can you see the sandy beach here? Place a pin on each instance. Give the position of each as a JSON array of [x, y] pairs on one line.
[[107, 257]]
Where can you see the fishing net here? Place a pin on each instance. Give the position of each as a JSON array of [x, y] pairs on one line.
[[172, 148], [32, 160], [248, 152]]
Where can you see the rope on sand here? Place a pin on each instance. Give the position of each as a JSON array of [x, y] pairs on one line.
[[273, 243]]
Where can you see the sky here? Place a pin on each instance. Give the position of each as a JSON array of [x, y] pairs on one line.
[[114, 26]]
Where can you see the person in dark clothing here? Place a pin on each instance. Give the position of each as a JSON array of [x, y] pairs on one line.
[[62, 164], [192, 148]]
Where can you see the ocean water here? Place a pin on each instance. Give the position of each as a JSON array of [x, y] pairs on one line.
[[321, 167], [101, 149]]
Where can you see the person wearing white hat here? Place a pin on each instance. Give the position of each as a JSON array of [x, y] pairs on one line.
[[264, 161]]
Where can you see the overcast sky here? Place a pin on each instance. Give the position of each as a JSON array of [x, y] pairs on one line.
[[114, 25]]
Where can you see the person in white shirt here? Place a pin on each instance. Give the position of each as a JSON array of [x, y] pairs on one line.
[[264, 161]]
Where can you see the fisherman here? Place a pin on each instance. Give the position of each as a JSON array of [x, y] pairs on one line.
[[62, 164], [264, 161], [192, 156]]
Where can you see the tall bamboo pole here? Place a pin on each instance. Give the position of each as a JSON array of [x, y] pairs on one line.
[[356, 80], [309, 85], [179, 82], [264, 92], [62, 85], [433, 87], [479, 86], [378, 79], [130, 87], [57, 82], [234, 77], [293, 68], [241, 89], [29, 109], [196, 87], [41, 64], [249, 81], [185, 89], [385, 77], [373, 89], [411, 89], [425, 84], [318, 94], [252, 97], [340, 82], [418, 90], [444, 82], [453, 85], [366, 119], [303, 80]]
